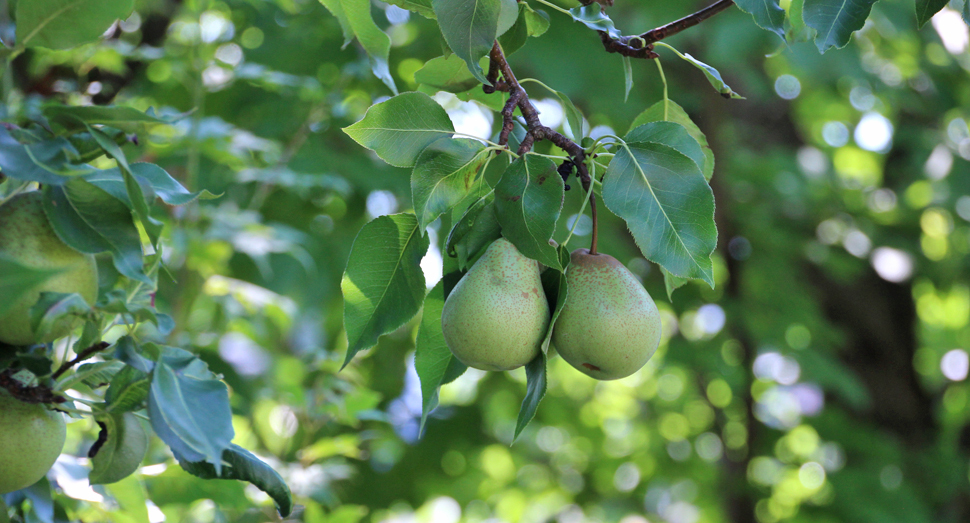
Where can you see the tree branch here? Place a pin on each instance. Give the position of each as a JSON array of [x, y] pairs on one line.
[[535, 131], [641, 46]]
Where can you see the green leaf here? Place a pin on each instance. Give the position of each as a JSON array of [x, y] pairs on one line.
[[714, 77], [399, 128], [240, 464], [189, 409], [77, 118], [383, 286], [528, 201], [593, 17], [150, 175], [53, 310], [470, 28], [16, 280], [672, 135], [668, 206], [92, 221], [797, 31], [555, 286], [128, 390], [627, 77], [966, 12], [337, 10], [443, 175], [446, 73], [432, 358], [672, 283], [422, 7], [124, 450], [356, 15], [476, 229], [46, 162], [836, 20], [676, 114], [93, 375], [62, 24], [767, 14], [536, 383]]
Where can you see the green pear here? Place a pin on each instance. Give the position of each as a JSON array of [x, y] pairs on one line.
[[27, 238], [497, 315], [31, 439], [609, 326]]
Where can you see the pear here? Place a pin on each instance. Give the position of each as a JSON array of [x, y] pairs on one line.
[[31, 439], [609, 326], [497, 315], [27, 238]]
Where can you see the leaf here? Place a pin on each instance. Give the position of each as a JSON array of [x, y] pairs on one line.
[[128, 390], [337, 10], [574, 127], [528, 201], [593, 17], [90, 220], [714, 77], [93, 375], [124, 450], [797, 30], [152, 176], [555, 286], [470, 28], [966, 12], [433, 359], [537, 382], [46, 162], [371, 38], [446, 73], [190, 411], [62, 24], [668, 206], [672, 135], [476, 228], [676, 114], [443, 175], [399, 128], [672, 283], [383, 286], [240, 464], [627, 78], [77, 118], [17, 280], [767, 14], [422, 7], [53, 310], [836, 20]]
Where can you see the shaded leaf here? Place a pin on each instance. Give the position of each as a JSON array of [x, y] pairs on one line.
[[129, 119], [53, 310], [355, 16], [124, 450], [537, 382], [676, 114], [767, 14], [470, 28], [446, 73], [555, 286], [528, 201], [714, 77], [128, 390], [672, 135], [383, 286], [593, 17], [433, 359], [835, 20], [443, 174], [62, 24], [46, 162], [16, 280]]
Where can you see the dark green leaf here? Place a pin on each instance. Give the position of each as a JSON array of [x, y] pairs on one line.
[[627, 77], [767, 14], [399, 128], [672, 283], [92, 221], [528, 201], [356, 15], [535, 372], [422, 7], [150, 176], [714, 77], [128, 390], [446, 73], [470, 28], [668, 206], [46, 162], [443, 174], [17, 280], [128, 119], [432, 357], [93, 375], [240, 464], [383, 286], [62, 24], [836, 20], [555, 287], [124, 450]]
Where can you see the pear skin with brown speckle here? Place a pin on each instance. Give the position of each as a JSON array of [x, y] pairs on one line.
[[609, 326], [497, 315]]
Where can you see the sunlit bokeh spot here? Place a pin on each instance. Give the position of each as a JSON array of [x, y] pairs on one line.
[[952, 30], [939, 163], [955, 364], [892, 264], [431, 263], [891, 477], [857, 243], [788, 87], [550, 110], [836, 134], [874, 132], [380, 203], [812, 475]]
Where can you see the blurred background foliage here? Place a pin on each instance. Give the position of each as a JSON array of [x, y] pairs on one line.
[[822, 380]]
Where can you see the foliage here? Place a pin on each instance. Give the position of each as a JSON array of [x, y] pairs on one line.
[[209, 153]]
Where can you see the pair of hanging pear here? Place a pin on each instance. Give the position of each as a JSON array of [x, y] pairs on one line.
[[497, 315]]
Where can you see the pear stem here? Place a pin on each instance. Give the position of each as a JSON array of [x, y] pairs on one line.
[[592, 212]]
